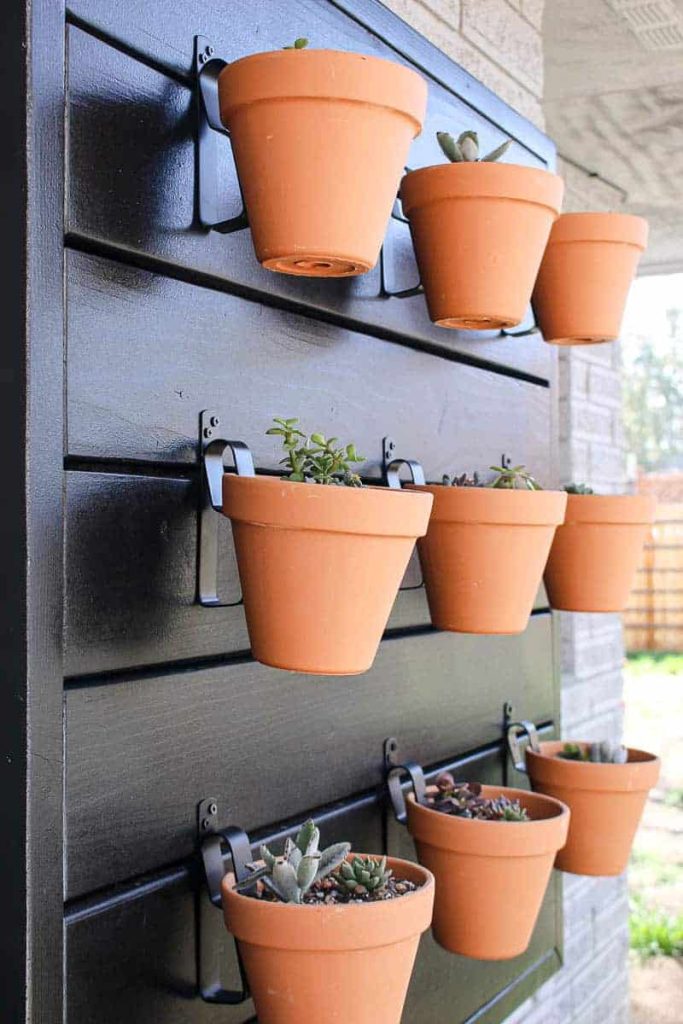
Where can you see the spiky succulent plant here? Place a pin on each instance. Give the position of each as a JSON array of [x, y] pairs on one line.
[[315, 458], [464, 800], [603, 752], [290, 876], [466, 148], [579, 489], [510, 478], [461, 481], [363, 875]]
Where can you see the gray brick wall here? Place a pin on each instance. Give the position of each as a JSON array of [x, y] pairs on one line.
[[500, 42]]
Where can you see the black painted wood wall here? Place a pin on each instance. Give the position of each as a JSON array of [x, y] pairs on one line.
[[137, 320]]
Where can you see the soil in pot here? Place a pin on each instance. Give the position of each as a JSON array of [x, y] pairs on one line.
[[584, 278], [606, 803], [320, 139], [479, 231], [484, 553], [332, 962], [595, 553], [320, 567], [491, 876]]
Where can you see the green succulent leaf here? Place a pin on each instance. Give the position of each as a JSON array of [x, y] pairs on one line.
[[449, 147], [497, 153]]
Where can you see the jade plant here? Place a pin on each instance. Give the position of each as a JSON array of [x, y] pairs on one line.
[[315, 458], [506, 479], [603, 752], [464, 800], [579, 489], [465, 149]]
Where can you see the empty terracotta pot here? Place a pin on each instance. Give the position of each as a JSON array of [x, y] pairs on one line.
[[484, 553], [479, 231], [335, 964], [587, 270], [320, 139], [606, 803], [320, 567], [595, 554], [491, 876]]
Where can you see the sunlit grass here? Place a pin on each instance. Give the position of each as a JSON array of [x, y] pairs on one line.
[[654, 933], [659, 662]]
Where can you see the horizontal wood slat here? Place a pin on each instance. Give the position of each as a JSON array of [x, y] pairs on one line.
[[269, 744], [131, 191]]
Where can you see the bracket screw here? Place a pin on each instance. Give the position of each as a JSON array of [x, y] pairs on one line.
[[203, 58], [206, 824], [213, 809], [215, 421], [209, 51], [208, 432]]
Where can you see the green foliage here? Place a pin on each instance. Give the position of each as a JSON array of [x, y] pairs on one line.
[[655, 662], [464, 800], [290, 876], [579, 489], [315, 458], [461, 481], [654, 933], [597, 753], [517, 477], [299, 44], [674, 797], [363, 875], [466, 148]]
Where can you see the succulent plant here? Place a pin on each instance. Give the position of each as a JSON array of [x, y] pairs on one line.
[[461, 481], [603, 752], [464, 800], [299, 44], [466, 148], [512, 478], [315, 458], [290, 876], [579, 489], [363, 875]]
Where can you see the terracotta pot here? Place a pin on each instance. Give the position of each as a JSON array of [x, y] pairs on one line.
[[320, 139], [320, 567], [606, 803], [491, 876], [587, 269], [595, 554], [479, 231], [331, 964], [484, 554]]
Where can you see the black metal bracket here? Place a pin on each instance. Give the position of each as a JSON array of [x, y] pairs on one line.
[[393, 772], [391, 469], [212, 450], [209, 126], [211, 840], [513, 732]]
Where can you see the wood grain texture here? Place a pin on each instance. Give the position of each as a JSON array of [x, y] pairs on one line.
[[270, 744], [203, 349], [132, 193]]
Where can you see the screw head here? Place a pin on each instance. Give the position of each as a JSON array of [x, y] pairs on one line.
[[202, 58], [206, 824], [213, 808], [208, 432], [214, 421], [209, 51]]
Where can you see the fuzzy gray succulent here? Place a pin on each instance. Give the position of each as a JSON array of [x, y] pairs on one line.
[[603, 752], [363, 875], [465, 149], [290, 876], [579, 489]]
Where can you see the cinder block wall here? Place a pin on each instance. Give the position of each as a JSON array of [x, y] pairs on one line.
[[500, 42]]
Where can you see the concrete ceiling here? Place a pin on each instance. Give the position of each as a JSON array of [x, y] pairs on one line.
[[614, 105]]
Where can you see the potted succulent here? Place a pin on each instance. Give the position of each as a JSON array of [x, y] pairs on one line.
[[491, 850], [584, 278], [595, 553], [484, 552], [320, 139], [316, 930], [605, 787], [479, 229], [320, 556]]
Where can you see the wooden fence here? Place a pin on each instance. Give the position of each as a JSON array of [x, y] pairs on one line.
[[654, 619]]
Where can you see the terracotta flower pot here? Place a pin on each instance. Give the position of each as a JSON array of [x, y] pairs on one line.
[[606, 803], [336, 964], [484, 554], [320, 139], [595, 554], [587, 270], [320, 567], [491, 876], [479, 231]]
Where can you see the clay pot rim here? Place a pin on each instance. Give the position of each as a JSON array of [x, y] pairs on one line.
[[406, 89], [494, 506], [624, 228], [481, 180], [586, 775], [336, 926], [614, 509], [325, 508]]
